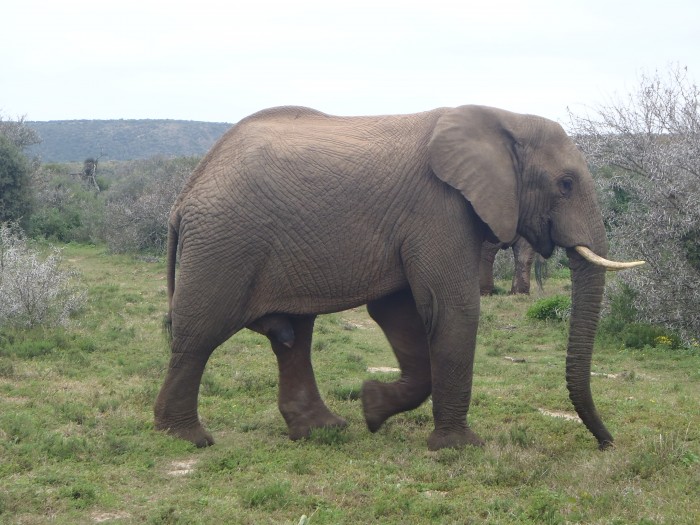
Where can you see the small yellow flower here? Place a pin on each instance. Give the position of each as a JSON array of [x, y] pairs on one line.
[[663, 340]]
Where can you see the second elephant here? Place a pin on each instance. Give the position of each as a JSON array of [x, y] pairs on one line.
[[523, 257]]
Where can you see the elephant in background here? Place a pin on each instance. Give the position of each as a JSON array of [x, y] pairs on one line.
[[523, 257], [296, 213]]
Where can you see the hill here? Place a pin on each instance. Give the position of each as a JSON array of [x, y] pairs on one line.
[[76, 140]]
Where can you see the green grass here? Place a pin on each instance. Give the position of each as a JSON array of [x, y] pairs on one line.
[[77, 443]]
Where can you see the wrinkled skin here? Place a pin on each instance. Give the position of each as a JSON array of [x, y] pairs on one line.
[[295, 213], [523, 257]]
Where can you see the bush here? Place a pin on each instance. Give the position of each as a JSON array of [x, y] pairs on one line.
[[555, 308], [66, 210], [15, 195], [646, 153], [619, 322], [33, 292], [639, 335], [137, 211]]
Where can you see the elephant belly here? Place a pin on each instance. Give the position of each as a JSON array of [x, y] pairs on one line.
[[327, 282]]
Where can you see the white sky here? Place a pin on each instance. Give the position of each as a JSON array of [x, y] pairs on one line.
[[222, 60]]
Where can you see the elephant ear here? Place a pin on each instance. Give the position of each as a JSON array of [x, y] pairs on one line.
[[473, 149]]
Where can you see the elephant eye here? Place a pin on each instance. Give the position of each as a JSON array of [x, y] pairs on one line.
[[566, 186]]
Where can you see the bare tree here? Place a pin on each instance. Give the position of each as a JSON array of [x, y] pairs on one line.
[[89, 173], [647, 149]]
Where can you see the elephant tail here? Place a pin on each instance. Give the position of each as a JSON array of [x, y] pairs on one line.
[[172, 258]]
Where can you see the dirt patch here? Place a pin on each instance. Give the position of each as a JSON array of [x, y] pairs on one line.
[[609, 376], [102, 517], [559, 414], [182, 468], [382, 369], [434, 493], [624, 375]]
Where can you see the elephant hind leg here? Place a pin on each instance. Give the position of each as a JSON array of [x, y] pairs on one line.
[[176, 406], [299, 400], [399, 320], [194, 338]]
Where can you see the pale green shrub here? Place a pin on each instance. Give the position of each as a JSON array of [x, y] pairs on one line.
[[33, 289]]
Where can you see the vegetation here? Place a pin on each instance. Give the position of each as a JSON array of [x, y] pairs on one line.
[[76, 398], [76, 140], [554, 308], [647, 152], [18, 132], [137, 210], [67, 208], [34, 291], [77, 442], [15, 195]]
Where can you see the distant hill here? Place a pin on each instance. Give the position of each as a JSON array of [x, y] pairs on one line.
[[77, 140]]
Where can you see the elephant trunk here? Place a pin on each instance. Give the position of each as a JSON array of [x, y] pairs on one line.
[[588, 281]]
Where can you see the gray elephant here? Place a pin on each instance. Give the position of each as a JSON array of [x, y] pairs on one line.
[[295, 213], [523, 257]]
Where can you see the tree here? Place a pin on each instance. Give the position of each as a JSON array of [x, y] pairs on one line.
[[15, 194], [89, 173], [647, 149], [19, 133]]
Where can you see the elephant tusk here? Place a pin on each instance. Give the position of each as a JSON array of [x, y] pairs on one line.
[[613, 266]]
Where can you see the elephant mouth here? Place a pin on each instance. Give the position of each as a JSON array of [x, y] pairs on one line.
[[544, 246], [547, 250]]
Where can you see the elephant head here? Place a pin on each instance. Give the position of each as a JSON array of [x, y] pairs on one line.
[[524, 176]]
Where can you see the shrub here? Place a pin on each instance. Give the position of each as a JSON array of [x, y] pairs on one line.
[[619, 322], [15, 195], [556, 308], [65, 209], [646, 152], [33, 291], [137, 212]]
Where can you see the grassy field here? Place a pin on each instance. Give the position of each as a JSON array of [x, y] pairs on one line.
[[77, 443]]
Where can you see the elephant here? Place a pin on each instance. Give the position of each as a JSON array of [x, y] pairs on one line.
[[523, 257], [295, 213]]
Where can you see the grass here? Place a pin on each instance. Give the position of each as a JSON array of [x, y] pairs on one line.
[[77, 443]]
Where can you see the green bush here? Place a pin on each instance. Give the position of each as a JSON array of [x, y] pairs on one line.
[[556, 308], [15, 195], [620, 310], [639, 335], [620, 324], [66, 209]]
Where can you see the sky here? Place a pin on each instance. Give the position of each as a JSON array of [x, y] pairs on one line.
[[219, 61]]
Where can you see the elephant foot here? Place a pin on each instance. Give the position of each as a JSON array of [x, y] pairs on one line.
[[301, 423], [195, 434], [374, 405], [454, 439], [380, 400], [606, 444]]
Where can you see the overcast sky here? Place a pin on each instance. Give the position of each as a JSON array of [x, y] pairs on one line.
[[222, 60]]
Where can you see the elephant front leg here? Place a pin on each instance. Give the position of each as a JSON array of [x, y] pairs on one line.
[[452, 345], [299, 399], [399, 320], [176, 405]]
